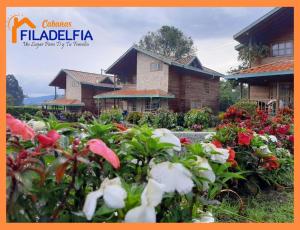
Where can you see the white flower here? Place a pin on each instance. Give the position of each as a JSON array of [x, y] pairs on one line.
[[220, 155], [265, 150], [209, 136], [37, 125], [264, 138], [207, 172], [174, 176], [273, 138], [283, 151], [153, 193], [166, 136], [151, 197], [113, 195], [206, 217], [134, 161], [141, 214]]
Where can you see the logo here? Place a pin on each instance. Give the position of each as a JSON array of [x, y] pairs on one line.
[[46, 32]]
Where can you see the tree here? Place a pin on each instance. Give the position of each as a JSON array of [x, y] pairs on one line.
[[14, 91], [169, 42], [229, 94]]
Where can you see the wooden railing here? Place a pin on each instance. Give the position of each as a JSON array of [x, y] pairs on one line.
[[267, 105]]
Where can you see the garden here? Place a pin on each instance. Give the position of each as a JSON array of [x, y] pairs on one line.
[[83, 168]]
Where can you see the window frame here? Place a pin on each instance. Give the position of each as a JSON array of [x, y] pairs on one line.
[[157, 68], [278, 49]]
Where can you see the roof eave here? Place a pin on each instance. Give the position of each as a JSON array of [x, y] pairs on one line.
[[132, 96], [255, 23], [262, 74]]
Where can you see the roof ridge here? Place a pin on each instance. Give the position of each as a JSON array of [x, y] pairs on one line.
[[104, 75]]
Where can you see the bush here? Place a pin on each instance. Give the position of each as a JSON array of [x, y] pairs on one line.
[[248, 106], [111, 116], [165, 119], [134, 117], [22, 111], [147, 119], [199, 117]]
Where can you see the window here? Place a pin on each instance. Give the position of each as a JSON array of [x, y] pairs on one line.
[[134, 105], [155, 66], [152, 105], [206, 87], [196, 105], [75, 84], [282, 49]]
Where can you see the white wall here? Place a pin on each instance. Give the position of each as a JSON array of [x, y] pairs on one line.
[[147, 79], [73, 89]]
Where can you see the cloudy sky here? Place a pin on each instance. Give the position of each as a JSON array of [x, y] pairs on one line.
[[115, 29]]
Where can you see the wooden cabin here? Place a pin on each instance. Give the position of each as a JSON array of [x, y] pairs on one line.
[[269, 80]]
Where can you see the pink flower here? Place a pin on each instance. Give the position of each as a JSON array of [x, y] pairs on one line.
[[100, 148], [49, 139], [19, 128]]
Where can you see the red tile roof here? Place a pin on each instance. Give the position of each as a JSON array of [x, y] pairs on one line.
[[282, 65], [64, 102], [131, 93]]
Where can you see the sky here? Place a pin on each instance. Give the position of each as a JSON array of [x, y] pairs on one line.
[[115, 29]]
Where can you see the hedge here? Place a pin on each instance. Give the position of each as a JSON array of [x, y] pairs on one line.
[[22, 111]]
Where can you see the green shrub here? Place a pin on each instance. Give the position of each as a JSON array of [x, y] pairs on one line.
[[112, 115], [248, 106], [134, 117], [147, 119], [202, 117], [22, 112], [165, 119]]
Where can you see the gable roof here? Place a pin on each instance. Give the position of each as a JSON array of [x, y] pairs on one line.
[[85, 78], [64, 102], [282, 67], [181, 63], [273, 20]]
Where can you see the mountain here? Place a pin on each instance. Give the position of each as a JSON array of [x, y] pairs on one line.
[[37, 100]]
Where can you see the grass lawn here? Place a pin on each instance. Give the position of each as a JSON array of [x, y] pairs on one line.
[[271, 206]]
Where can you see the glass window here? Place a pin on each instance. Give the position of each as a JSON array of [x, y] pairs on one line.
[[282, 49], [155, 66], [134, 105]]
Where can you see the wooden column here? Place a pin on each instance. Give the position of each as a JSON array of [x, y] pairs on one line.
[[248, 91], [277, 96], [55, 93], [241, 88], [98, 106]]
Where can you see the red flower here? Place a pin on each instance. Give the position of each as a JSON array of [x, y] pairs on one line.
[[217, 143], [283, 129], [100, 148], [291, 138], [120, 127], [261, 132], [244, 138], [231, 157], [270, 163], [19, 128], [185, 141], [49, 139]]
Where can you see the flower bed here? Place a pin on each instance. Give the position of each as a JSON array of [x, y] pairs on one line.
[[103, 172]]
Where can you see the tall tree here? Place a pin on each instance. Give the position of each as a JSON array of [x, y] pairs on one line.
[[169, 42], [14, 92]]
